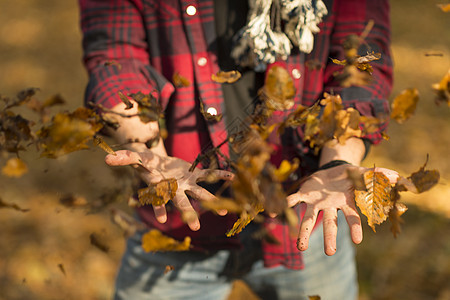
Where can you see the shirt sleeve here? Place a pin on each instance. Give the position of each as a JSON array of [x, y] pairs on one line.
[[351, 17], [116, 52]]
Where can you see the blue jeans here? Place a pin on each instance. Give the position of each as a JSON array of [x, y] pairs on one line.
[[198, 276]]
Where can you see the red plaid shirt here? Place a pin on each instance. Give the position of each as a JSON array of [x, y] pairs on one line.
[[151, 40]]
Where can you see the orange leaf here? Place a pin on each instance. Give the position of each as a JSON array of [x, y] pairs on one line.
[[404, 105], [444, 7], [155, 241], [14, 167], [226, 77], [278, 90], [180, 81], [159, 193]]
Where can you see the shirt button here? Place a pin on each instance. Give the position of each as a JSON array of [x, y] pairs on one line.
[[296, 74], [191, 10], [202, 61], [212, 111]]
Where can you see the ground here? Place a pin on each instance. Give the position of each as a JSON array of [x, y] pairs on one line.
[[45, 253]]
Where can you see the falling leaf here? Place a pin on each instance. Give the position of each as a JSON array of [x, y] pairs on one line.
[[125, 100], [444, 7], [347, 125], [127, 223], [159, 193], [242, 222], [209, 116], [11, 205], [98, 141], [98, 242], [70, 200], [395, 217], [404, 105], [155, 241], [222, 203], [168, 269], [180, 81], [315, 297], [423, 179], [278, 90], [361, 62], [434, 54], [149, 109], [226, 77], [286, 169], [113, 63], [54, 100], [375, 203], [442, 90], [62, 269], [15, 167]]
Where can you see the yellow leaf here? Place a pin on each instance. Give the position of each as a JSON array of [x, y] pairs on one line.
[[442, 89], [155, 241], [375, 203], [226, 77], [347, 125], [278, 90], [14, 167], [404, 105], [98, 141], [159, 193], [179, 80], [285, 169], [444, 7]]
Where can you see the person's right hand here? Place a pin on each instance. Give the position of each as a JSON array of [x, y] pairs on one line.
[[153, 168]]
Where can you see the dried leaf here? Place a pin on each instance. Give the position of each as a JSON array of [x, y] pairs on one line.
[[444, 7], [222, 203], [62, 269], [113, 63], [168, 269], [442, 90], [11, 205], [149, 109], [315, 297], [423, 179], [226, 77], [395, 218], [98, 141], [54, 100], [242, 222], [98, 242], [347, 125], [180, 81], [125, 100], [286, 169], [159, 193], [278, 90], [375, 203], [404, 105], [14, 167], [155, 241]]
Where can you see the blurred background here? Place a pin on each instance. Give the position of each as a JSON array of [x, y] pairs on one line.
[[45, 253]]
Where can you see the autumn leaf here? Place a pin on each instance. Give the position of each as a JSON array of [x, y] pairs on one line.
[[226, 77], [423, 179], [15, 167], [375, 203], [361, 62], [242, 222], [395, 217], [285, 169], [113, 63], [70, 200], [3, 204], [278, 90], [168, 269], [347, 125], [210, 115], [98, 242], [149, 110], [125, 100], [180, 81], [315, 297], [98, 141], [404, 105], [444, 7], [155, 241], [159, 193], [62, 269], [442, 90]]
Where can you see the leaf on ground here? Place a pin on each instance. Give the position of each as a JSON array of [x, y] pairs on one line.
[[159, 193], [14, 167], [14, 206], [179, 80], [404, 105], [125, 100], [98, 141], [226, 77], [424, 179], [395, 218], [442, 90], [375, 203], [278, 90], [155, 241], [98, 242]]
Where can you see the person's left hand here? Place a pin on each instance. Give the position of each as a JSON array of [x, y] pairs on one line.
[[330, 190]]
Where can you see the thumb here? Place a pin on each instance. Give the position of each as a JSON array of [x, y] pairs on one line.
[[123, 158]]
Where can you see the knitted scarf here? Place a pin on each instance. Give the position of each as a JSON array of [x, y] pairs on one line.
[[274, 28]]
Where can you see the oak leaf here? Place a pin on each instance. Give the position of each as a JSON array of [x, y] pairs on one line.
[[404, 105], [159, 193], [375, 203], [226, 77], [155, 241], [15, 167]]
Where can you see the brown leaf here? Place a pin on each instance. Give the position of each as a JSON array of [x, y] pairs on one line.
[[168, 269], [208, 115], [159, 193], [278, 90], [125, 100], [180, 81], [11, 205], [113, 63], [444, 7], [404, 105], [424, 179], [242, 222], [347, 125], [375, 203], [14, 167], [155, 241], [226, 77], [62, 269], [98, 141], [54, 100], [395, 218], [149, 109], [442, 90]]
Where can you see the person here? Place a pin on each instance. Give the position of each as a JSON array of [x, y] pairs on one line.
[[136, 46]]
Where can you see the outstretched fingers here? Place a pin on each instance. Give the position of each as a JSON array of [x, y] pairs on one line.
[[330, 231], [354, 222], [188, 213], [160, 213], [306, 227]]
